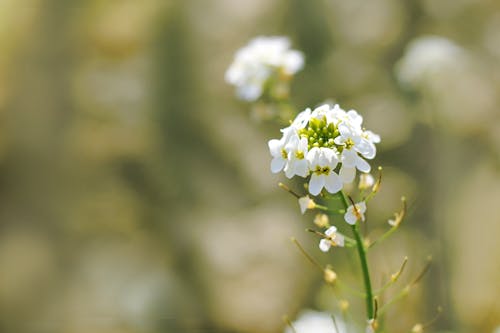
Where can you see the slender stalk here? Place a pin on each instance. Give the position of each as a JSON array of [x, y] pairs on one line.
[[366, 273], [364, 263]]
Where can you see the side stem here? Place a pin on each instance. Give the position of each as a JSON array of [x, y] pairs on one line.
[[364, 264]]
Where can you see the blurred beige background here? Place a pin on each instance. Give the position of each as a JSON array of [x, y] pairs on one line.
[[135, 191]]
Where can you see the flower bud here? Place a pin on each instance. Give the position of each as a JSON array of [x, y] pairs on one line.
[[321, 220], [330, 276]]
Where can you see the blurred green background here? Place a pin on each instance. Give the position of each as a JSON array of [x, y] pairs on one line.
[[135, 191]]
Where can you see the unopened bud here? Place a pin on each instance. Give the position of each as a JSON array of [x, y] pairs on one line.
[[418, 328], [330, 276], [365, 181], [321, 220], [344, 305]]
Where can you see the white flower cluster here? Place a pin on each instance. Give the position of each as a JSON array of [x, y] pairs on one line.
[[257, 62], [428, 56], [328, 144]]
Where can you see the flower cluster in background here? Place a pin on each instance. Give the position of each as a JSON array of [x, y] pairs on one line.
[[264, 59], [329, 144]]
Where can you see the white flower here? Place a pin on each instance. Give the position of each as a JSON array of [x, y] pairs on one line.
[[427, 56], [306, 203], [278, 151], [316, 322], [255, 63], [296, 150], [333, 239], [352, 215], [322, 162]]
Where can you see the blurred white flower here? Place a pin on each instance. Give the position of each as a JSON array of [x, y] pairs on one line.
[[262, 58], [316, 322], [333, 239], [427, 56], [317, 141], [353, 215]]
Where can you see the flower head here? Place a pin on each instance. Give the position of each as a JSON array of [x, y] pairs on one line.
[[257, 62], [328, 144], [355, 212], [332, 239]]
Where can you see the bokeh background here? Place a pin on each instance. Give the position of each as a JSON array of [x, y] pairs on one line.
[[135, 192]]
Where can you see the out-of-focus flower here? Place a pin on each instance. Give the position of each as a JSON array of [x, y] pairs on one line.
[[427, 56], [332, 239], [354, 214], [259, 61], [316, 322], [318, 141], [417, 328]]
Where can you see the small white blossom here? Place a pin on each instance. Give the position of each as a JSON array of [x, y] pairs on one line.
[[352, 215], [306, 203], [278, 151], [333, 239], [322, 162], [296, 150], [262, 58], [316, 322]]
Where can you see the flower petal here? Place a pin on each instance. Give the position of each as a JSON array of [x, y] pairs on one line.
[[301, 168], [347, 174], [324, 245], [362, 165], [350, 218], [277, 164], [316, 184], [330, 231], [333, 184], [304, 203], [275, 147]]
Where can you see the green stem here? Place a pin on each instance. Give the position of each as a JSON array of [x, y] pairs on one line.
[[364, 263], [366, 273]]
